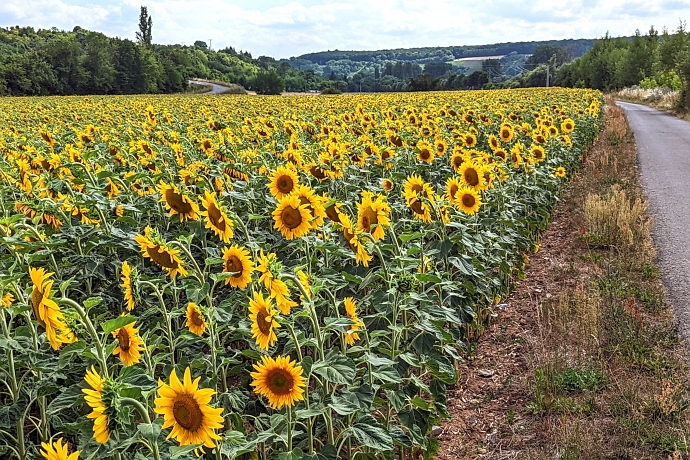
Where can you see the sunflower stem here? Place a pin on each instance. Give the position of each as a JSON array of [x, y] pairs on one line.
[[164, 310], [145, 415], [91, 329], [289, 432]]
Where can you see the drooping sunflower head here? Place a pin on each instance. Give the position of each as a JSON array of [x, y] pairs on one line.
[[279, 380], [351, 335], [195, 319], [46, 310], [129, 344], [216, 218], [292, 218], [99, 412], [283, 181], [178, 202], [238, 261], [262, 315], [388, 185], [305, 282], [127, 285], [185, 407], [154, 248]]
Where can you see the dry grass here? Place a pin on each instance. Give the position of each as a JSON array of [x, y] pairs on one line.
[[662, 98], [596, 364]]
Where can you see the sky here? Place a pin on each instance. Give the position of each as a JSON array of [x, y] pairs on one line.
[[286, 28]]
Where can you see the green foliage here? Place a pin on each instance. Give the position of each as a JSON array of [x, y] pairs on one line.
[[268, 83], [144, 35]]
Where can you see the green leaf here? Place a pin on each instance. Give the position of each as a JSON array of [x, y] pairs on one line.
[[405, 237], [371, 434], [306, 413], [178, 451], [343, 406], [117, 323], [339, 369], [296, 454], [427, 278], [386, 374], [341, 323], [92, 302], [150, 431], [136, 377]]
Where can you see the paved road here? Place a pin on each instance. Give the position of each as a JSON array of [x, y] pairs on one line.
[[663, 150], [217, 89]]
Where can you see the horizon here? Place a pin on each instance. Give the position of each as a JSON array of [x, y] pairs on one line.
[[293, 28]]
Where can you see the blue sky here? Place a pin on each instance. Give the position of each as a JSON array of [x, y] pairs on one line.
[[292, 27]]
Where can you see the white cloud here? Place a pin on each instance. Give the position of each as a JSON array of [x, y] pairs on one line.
[[292, 27]]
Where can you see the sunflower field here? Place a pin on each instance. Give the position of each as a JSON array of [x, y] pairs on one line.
[[262, 277]]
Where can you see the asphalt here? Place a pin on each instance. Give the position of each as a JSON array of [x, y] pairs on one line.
[[663, 151], [217, 89]]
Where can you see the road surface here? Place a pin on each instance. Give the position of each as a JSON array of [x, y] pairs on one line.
[[217, 89], [663, 150]]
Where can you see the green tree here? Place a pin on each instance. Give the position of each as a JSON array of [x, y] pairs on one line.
[[269, 82], [144, 35], [544, 53]]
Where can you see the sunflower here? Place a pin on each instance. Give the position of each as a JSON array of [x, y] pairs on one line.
[[351, 335], [419, 197], [160, 253], [426, 152], [129, 344], [262, 314], [352, 238], [468, 200], [469, 139], [560, 172], [373, 211], [57, 451], [506, 132], [185, 407], [94, 398], [304, 281], [238, 261], [452, 187], [457, 160], [280, 380], [46, 311], [471, 174], [283, 181], [387, 185], [195, 319], [332, 209], [7, 300], [127, 285], [441, 146], [292, 217], [281, 294], [568, 126], [307, 196], [538, 153], [177, 202], [493, 142], [216, 218]]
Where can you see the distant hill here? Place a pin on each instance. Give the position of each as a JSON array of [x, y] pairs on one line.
[[350, 62]]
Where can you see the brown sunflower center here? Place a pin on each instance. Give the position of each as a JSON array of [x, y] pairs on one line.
[[177, 202], [453, 190], [280, 381], [348, 238], [234, 264], [36, 299], [332, 213], [457, 161], [263, 320], [162, 257], [425, 154], [468, 200], [317, 172], [505, 134], [291, 217], [416, 206], [187, 412], [123, 339], [369, 218], [285, 184], [197, 319], [216, 217], [471, 176], [440, 148]]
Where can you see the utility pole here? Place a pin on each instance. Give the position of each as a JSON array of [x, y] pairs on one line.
[[209, 47], [547, 75]]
